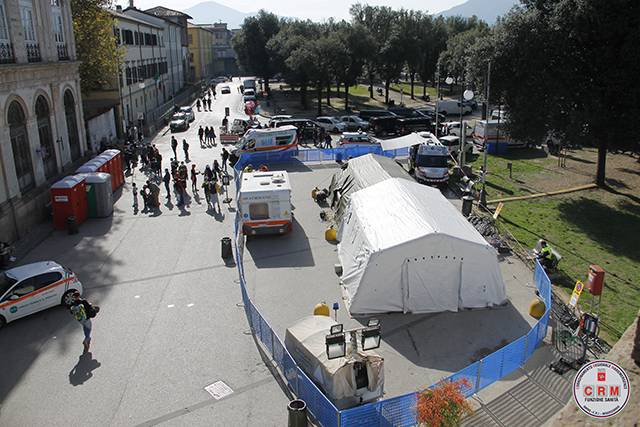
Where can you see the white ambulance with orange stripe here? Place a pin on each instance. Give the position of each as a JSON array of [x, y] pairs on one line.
[[264, 201], [270, 139], [34, 287]]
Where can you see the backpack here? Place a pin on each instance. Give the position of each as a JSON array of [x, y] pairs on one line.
[[90, 310], [78, 311]]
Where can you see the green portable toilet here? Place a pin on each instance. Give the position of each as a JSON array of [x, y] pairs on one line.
[[99, 194]]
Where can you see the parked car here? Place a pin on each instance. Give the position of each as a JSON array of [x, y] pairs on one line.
[[220, 79], [225, 89], [359, 138], [432, 114], [406, 112], [249, 95], [189, 112], [355, 123], [34, 287], [453, 142], [308, 126], [368, 114], [179, 121], [453, 128], [274, 119], [384, 125], [331, 124]]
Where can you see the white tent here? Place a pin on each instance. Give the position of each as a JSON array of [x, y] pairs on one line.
[[405, 248], [346, 381]]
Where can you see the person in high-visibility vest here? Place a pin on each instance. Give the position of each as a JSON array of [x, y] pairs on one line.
[[546, 255]]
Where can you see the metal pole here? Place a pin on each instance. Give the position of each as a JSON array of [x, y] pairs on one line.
[[461, 152], [438, 100], [483, 194]]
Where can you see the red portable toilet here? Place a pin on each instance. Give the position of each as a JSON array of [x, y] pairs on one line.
[[114, 160], [69, 198]]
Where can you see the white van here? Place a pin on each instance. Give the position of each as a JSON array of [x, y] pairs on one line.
[[452, 107], [270, 139], [265, 203]]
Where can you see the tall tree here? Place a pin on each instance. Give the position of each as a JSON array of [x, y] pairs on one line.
[[360, 47], [250, 44], [95, 43], [570, 66]]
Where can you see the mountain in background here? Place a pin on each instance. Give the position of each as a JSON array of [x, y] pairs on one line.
[[211, 12], [488, 11]]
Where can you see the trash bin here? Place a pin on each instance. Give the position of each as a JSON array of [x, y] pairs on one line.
[[297, 413], [72, 225], [226, 248], [467, 204]]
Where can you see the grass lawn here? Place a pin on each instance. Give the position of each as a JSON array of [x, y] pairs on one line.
[[591, 227]]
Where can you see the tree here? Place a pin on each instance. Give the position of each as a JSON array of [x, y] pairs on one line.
[[250, 44], [95, 43], [569, 66], [281, 47], [360, 47], [444, 405]]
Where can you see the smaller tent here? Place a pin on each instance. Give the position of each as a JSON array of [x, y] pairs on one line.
[[358, 173], [346, 381], [405, 248]]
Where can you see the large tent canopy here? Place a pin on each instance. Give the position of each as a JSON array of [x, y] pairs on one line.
[[405, 248], [358, 173]]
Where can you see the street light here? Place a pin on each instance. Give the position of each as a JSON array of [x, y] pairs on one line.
[[467, 94]]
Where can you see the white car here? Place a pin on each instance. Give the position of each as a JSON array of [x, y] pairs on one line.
[[34, 287], [331, 124], [453, 143], [357, 139], [249, 95], [189, 112], [453, 128], [274, 119]]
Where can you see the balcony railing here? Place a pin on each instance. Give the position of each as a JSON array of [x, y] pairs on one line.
[[33, 52], [63, 52], [6, 54]]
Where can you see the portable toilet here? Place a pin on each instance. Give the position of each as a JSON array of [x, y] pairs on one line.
[[69, 199], [99, 194]]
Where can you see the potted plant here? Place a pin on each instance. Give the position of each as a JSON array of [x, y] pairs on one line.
[[444, 405]]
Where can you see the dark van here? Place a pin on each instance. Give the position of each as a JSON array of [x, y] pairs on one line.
[[384, 125]]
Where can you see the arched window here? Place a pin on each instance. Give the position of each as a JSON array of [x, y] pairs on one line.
[[46, 140], [20, 146], [72, 125]]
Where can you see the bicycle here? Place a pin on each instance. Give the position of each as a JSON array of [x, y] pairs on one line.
[[582, 337]]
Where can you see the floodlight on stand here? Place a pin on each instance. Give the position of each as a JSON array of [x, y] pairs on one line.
[[336, 329], [335, 344], [371, 337]]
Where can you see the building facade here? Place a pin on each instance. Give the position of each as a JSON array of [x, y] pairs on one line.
[[200, 52], [224, 58], [41, 122]]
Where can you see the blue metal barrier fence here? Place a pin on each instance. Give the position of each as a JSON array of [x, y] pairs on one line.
[[398, 411]]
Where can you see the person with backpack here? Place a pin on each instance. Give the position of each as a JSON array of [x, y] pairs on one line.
[[84, 312]]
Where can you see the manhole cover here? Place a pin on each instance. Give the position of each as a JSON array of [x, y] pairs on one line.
[[218, 390]]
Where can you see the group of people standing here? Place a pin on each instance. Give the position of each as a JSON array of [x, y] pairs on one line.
[[207, 136], [147, 154]]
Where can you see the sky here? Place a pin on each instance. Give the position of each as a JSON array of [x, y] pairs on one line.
[[301, 9]]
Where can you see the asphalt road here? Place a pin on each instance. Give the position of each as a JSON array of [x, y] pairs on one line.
[[171, 322]]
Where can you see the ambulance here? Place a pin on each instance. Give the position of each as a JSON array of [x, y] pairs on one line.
[[429, 160], [270, 139], [264, 201]]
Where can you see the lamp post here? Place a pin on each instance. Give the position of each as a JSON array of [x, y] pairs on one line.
[[466, 94], [483, 193]]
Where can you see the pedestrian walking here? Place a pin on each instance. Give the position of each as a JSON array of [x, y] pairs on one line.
[[201, 135], [185, 147], [225, 157], [213, 136], [167, 179], [217, 169], [135, 196], [83, 312], [209, 187], [179, 188], [209, 101], [174, 146], [194, 178]]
